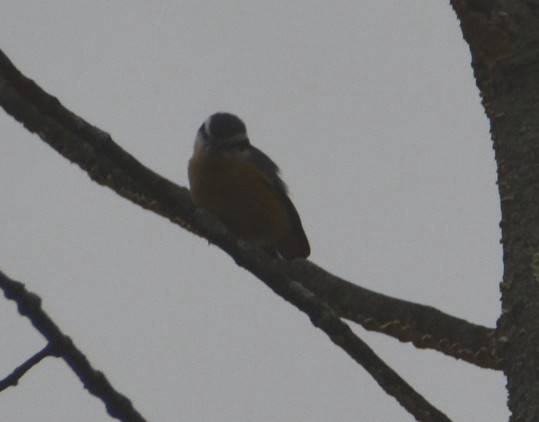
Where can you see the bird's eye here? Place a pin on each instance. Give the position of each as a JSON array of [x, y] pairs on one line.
[[202, 131]]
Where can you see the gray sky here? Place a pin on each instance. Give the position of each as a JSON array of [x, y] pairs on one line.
[[372, 113]]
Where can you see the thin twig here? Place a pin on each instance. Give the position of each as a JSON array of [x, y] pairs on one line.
[[13, 379]]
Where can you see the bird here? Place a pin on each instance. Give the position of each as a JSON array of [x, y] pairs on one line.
[[242, 187]]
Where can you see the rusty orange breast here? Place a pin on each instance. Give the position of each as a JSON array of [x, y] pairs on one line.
[[239, 195]]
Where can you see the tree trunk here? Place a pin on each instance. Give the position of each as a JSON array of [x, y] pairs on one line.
[[504, 41]]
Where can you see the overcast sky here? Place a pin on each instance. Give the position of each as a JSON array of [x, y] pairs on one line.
[[372, 113]]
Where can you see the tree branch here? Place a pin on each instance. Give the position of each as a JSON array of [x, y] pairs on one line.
[[29, 305], [13, 379], [109, 165], [321, 315], [424, 326]]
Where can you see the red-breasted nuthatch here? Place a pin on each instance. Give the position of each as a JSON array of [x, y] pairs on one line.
[[240, 185]]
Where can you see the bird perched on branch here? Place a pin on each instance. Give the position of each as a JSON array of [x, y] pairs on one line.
[[241, 186]]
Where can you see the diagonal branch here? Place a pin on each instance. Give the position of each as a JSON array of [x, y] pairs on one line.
[[109, 165], [424, 326], [29, 305], [13, 379], [322, 316]]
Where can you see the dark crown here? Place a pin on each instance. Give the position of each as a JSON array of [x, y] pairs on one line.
[[225, 125]]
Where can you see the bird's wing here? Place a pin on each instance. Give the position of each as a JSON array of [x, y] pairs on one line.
[[295, 244]]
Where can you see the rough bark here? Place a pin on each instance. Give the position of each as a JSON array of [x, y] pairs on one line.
[[504, 42]]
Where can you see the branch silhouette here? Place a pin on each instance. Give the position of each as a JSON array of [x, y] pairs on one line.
[[119, 406], [60, 345], [13, 379], [322, 296]]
